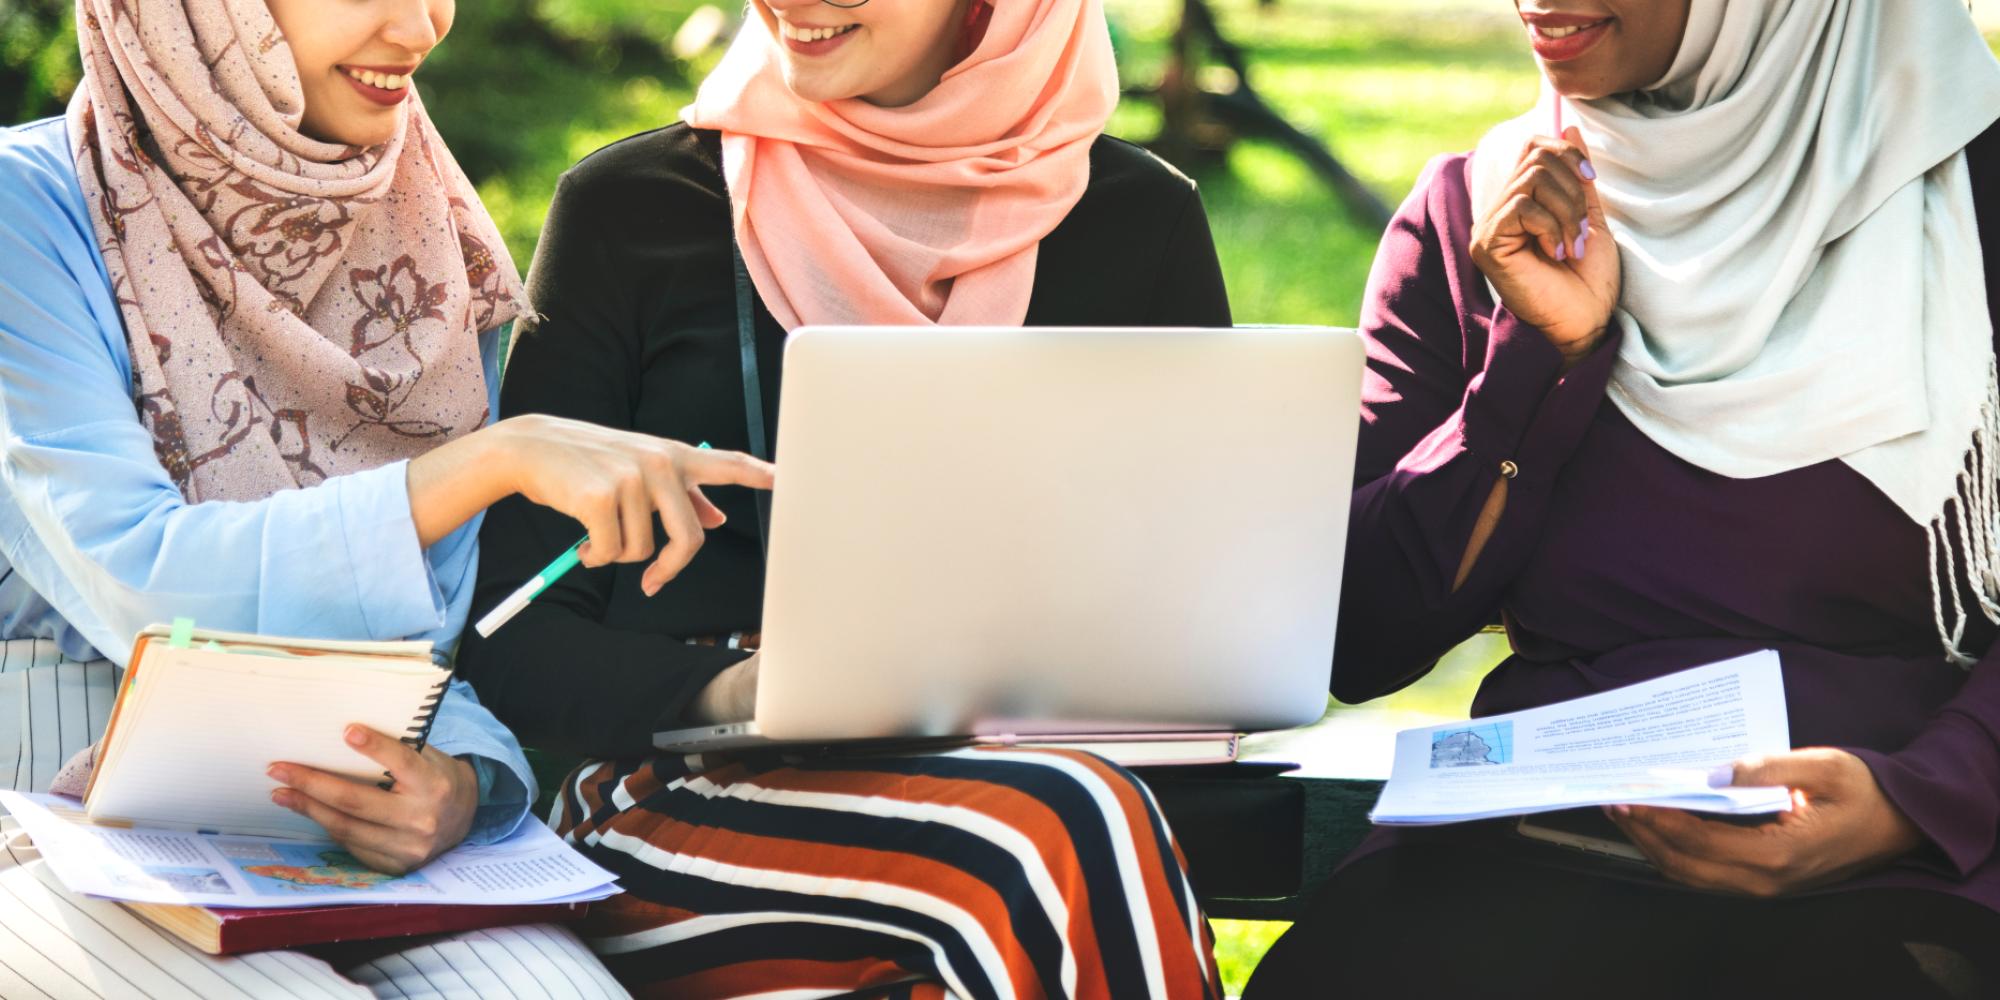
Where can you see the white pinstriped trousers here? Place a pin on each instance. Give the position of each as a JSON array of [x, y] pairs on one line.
[[55, 944]]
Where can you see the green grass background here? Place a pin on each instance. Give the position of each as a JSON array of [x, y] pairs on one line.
[[1387, 85]]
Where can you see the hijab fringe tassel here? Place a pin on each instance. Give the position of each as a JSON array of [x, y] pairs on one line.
[[1971, 515]]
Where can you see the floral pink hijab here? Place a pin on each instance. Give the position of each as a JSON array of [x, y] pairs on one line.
[[295, 310]]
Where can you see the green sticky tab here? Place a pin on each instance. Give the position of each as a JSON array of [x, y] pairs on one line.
[[704, 444], [211, 646], [183, 634]]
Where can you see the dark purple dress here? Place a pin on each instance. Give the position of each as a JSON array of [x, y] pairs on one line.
[[1617, 562]]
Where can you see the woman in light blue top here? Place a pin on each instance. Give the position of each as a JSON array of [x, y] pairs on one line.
[[249, 323]]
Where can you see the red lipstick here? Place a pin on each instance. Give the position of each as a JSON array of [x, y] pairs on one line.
[[1574, 34], [380, 95]]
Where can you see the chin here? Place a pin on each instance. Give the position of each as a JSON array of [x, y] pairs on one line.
[[1578, 84], [371, 130], [810, 91], [818, 87], [364, 140], [349, 135]]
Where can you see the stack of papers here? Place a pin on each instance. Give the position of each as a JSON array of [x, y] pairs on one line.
[[1664, 742], [139, 865]]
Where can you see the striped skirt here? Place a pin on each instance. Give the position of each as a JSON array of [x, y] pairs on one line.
[[975, 873]]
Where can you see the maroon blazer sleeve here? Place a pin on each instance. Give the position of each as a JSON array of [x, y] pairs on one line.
[[1947, 780], [1455, 386]]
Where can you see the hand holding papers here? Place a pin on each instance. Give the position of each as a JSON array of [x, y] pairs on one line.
[[1657, 743]]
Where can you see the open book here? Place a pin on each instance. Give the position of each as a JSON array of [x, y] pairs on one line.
[[202, 714]]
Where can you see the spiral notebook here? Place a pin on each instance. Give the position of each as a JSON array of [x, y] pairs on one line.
[[203, 713]]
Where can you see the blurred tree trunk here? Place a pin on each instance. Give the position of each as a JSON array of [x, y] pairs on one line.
[[1199, 122]]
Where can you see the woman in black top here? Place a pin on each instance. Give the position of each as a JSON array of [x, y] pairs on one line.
[[985, 874], [636, 328]]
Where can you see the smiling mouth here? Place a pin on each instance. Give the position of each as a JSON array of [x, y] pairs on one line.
[[1565, 32], [1561, 38], [798, 34], [380, 81]]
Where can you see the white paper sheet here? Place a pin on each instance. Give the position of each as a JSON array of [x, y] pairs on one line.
[[171, 866], [1654, 743]]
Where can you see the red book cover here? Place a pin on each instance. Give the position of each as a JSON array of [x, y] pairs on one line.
[[232, 931]]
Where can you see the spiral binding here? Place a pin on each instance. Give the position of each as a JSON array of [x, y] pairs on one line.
[[419, 732]]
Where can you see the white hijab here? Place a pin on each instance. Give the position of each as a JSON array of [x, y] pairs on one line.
[[1802, 268]]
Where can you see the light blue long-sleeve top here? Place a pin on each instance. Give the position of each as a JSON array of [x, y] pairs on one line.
[[96, 541]]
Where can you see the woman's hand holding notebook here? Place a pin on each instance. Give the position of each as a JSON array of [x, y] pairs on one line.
[[202, 714]]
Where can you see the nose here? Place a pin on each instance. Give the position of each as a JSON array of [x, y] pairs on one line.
[[417, 25]]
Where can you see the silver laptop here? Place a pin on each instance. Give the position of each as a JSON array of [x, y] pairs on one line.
[[981, 532]]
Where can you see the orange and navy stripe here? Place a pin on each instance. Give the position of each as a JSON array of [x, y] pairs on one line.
[[1002, 873]]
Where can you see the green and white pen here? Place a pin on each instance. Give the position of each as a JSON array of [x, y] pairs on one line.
[[519, 599], [528, 591]]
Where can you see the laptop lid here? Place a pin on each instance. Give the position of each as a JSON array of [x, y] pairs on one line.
[[1044, 530]]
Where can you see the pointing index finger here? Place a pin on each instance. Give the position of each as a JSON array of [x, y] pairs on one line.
[[708, 467]]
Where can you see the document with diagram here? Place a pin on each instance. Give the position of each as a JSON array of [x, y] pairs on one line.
[[1663, 742]]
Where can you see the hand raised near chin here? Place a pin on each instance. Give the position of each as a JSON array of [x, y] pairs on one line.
[[1545, 247]]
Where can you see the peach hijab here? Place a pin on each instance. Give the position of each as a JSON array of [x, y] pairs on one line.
[[295, 309], [930, 213]]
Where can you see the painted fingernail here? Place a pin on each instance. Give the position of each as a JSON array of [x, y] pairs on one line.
[[1586, 226], [356, 736], [1589, 172], [1722, 776], [1562, 251]]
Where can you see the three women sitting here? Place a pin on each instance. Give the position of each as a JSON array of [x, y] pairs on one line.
[[1785, 304]]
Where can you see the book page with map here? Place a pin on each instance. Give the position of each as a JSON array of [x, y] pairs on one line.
[[135, 864], [1655, 743]]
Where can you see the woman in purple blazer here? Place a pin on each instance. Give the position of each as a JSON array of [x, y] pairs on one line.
[[1709, 371]]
